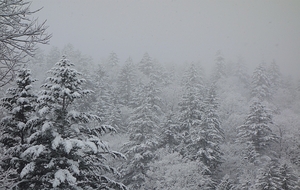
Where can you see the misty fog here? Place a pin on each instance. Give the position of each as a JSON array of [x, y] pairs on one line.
[[176, 32]]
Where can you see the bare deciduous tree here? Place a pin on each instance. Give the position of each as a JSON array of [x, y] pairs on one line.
[[19, 35]]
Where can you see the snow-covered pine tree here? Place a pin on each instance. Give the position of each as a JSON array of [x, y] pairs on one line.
[[288, 179], [20, 104], [126, 82], [103, 92], [66, 152], [207, 138], [143, 140], [169, 136], [268, 177], [241, 73], [191, 106], [146, 65], [76, 56], [261, 85], [256, 131], [274, 75], [220, 67], [106, 104], [16, 126], [113, 60], [87, 103]]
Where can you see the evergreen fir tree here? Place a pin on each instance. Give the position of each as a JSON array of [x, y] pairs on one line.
[[169, 137], [126, 82], [261, 86], [66, 152], [87, 103], [274, 75], [241, 73], [206, 138], [191, 109], [114, 118], [146, 65], [113, 60], [288, 179], [191, 106], [268, 178], [144, 140], [220, 67], [17, 125], [104, 101], [20, 105], [85, 65], [256, 130]]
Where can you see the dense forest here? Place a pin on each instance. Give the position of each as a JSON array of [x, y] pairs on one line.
[[68, 122], [170, 126]]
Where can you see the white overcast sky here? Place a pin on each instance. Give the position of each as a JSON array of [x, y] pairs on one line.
[[178, 30]]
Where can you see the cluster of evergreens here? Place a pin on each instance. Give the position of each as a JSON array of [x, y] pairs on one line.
[[177, 126]]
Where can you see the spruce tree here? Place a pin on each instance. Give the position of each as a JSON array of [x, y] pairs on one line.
[[220, 67], [169, 137], [66, 151], [241, 73], [207, 138], [20, 105], [17, 125], [191, 109], [103, 92], [106, 103], [113, 60], [274, 76], [144, 140], [268, 177], [126, 82], [261, 85], [146, 65], [288, 179], [256, 130]]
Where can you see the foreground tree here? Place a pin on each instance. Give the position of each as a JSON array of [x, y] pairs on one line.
[[16, 126], [65, 152], [20, 104], [19, 36]]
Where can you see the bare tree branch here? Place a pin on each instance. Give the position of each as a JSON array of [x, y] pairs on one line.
[[19, 35]]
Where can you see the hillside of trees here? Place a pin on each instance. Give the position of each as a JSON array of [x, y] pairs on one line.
[[70, 123]]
